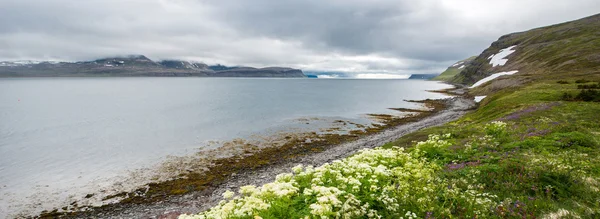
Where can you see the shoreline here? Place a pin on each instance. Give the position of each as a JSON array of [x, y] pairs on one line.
[[231, 173]]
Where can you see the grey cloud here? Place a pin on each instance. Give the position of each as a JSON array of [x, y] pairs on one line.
[[410, 29], [397, 36]]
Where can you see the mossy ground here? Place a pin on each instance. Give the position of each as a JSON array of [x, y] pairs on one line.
[[548, 160]]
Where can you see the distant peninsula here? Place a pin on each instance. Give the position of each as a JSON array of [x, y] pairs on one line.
[[138, 65]]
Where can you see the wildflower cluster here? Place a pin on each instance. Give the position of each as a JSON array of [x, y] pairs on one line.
[[496, 128], [467, 193], [434, 147], [486, 142], [374, 183], [568, 162]]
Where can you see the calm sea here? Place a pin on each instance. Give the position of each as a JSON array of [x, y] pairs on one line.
[[64, 137]]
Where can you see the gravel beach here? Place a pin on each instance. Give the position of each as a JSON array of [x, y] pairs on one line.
[[200, 201]]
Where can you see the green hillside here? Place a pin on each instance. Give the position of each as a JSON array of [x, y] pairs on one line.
[[563, 50], [454, 70], [544, 160]]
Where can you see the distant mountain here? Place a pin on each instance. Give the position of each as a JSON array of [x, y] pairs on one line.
[[219, 67], [137, 65], [177, 64], [422, 76], [264, 72]]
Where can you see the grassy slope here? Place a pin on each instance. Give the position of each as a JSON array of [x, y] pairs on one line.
[[563, 136], [557, 51], [453, 70], [549, 159]]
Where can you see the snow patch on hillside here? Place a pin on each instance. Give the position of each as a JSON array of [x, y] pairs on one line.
[[499, 59], [19, 63], [492, 77], [479, 98], [457, 64], [461, 67]]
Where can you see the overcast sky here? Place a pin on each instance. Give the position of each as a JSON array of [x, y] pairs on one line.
[[367, 36]]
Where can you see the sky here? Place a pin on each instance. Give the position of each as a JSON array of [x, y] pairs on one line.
[[353, 36]]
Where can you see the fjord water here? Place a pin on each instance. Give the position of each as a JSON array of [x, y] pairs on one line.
[[59, 135]]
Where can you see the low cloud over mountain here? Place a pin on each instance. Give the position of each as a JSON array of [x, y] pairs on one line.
[[383, 36]]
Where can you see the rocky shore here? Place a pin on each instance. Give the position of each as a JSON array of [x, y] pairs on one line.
[[194, 202]]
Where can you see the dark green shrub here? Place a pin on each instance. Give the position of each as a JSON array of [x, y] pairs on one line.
[[573, 139], [562, 82], [558, 185], [588, 86], [567, 96], [588, 95]]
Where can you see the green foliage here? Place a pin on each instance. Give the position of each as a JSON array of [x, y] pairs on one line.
[[588, 95], [582, 81], [435, 147], [496, 129], [544, 163], [574, 139], [589, 86], [378, 183], [567, 96]]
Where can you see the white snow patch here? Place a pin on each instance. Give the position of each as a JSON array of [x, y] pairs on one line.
[[26, 62], [382, 76], [19, 63], [492, 77], [461, 67], [479, 98], [459, 63], [499, 59]]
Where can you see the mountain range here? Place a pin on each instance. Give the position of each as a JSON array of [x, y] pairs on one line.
[[138, 65]]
